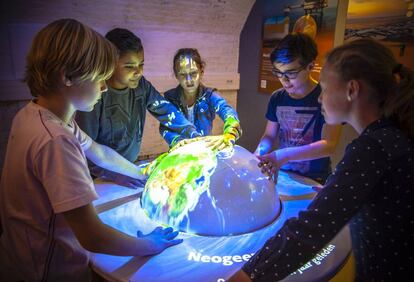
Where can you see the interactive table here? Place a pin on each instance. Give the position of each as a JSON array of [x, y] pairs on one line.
[[215, 252]]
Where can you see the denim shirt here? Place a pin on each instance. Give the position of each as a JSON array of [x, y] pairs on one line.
[[118, 119], [207, 105]]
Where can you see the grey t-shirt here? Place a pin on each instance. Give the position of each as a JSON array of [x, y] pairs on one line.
[[118, 119]]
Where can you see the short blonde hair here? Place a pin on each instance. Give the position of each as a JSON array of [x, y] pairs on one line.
[[68, 47]]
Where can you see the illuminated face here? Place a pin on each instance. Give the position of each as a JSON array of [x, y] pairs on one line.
[[128, 71], [293, 76], [85, 95], [188, 74], [335, 106]]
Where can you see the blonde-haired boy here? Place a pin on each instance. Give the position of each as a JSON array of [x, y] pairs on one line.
[[46, 191]]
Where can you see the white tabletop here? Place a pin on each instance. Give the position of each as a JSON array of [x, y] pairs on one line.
[[205, 258]]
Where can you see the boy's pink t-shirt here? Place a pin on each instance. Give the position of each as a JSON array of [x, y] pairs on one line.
[[45, 173]]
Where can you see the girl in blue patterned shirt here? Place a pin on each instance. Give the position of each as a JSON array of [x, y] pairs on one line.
[[198, 103]]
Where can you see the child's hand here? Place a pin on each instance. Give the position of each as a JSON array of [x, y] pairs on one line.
[[270, 165], [160, 239], [185, 142], [220, 142]]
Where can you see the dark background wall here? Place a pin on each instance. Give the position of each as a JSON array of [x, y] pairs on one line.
[[251, 104], [212, 26]]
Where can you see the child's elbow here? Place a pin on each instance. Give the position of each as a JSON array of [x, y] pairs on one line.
[[326, 147], [330, 149], [91, 245]]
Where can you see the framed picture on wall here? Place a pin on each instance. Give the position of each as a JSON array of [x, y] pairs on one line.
[[391, 22], [315, 17], [274, 29]]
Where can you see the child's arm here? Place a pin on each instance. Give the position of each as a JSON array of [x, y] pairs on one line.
[[316, 150], [268, 139], [227, 114], [177, 127], [95, 236], [109, 159], [345, 194], [171, 137]]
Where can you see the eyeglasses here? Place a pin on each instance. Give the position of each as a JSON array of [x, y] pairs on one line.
[[292, 74]]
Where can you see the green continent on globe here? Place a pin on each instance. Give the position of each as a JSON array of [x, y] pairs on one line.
[[177, 181]]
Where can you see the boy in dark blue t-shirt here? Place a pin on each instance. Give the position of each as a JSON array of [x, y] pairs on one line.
[[294, 116]]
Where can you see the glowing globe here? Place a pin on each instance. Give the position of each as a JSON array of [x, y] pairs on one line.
[[195, 190]]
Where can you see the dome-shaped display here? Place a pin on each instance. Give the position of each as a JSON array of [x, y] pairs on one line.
[[194, 190]]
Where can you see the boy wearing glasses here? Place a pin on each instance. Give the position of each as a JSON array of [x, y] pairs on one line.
[[118, 118], [294, 116]]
